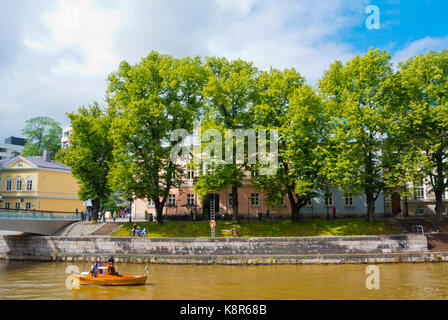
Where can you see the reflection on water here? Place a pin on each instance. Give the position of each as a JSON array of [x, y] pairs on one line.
[[38, 280]]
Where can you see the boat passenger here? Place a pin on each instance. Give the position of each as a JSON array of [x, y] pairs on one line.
[[111, 260]]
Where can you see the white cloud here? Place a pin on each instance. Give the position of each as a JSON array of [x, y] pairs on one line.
[[421, 46]]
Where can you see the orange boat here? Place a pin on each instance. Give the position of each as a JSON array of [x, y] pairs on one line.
[[107, 276]]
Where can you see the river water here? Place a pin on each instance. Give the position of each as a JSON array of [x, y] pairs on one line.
[[42, 280]]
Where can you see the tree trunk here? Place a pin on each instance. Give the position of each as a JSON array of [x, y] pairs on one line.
[[439, 204], [235, 204], [159, 211], [295, 217], [95, 209], [370, 206]]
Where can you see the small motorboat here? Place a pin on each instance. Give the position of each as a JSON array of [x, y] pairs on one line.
[[107, 276]]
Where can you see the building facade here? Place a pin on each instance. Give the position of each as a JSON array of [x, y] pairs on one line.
[[12, 148], [184, 200], [38, 183], [419, 200]]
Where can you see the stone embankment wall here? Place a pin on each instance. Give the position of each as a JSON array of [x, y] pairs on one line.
[[357, 249]]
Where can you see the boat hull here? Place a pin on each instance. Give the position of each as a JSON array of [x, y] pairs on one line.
[[101, 280]]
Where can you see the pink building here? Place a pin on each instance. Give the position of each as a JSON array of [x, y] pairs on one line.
[[184, 200]]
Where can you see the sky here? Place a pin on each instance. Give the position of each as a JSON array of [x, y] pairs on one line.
[[55, 55]]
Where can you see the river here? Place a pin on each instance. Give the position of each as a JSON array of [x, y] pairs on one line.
[[42, 280]]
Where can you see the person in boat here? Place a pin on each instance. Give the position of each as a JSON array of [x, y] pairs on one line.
[[111, 260], [94, 270]]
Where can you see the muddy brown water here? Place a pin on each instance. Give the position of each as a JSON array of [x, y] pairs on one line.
[[42, 280]]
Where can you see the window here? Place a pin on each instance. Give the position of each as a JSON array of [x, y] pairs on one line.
[[20, 165], [230, 200], [7, 205], [348, 200], [190, 175], [190, 199], [29, 184], [420, 191], [8, 186], [151, 203], [329, 200], [17, 205], [420, 210], [254, 200], [172, 200], [19, 184], [28, 205]]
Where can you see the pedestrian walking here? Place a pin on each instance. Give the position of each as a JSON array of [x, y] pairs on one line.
[[334, 212]]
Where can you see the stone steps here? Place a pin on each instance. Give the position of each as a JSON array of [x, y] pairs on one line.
[[437, 242], [407, 224]]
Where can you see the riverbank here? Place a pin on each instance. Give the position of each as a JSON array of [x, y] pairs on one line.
[[276, 228], [244, 251]]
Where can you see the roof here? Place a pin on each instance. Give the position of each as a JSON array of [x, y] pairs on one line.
[[38, 162], [47, 164]]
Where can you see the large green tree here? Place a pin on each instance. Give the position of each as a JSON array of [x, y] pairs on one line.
[[42, 133], [360, 97], [297, 112], [424, 80], [148, 102], [90, 154], [230, 92]]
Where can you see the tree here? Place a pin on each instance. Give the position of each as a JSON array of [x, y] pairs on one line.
[[359, 96], [148, 102], [297, 112], [41, 133], [90, 154], [424, 79], [229, 93]]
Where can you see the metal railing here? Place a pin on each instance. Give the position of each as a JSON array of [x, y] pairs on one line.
[[37, 215], [418, 229]]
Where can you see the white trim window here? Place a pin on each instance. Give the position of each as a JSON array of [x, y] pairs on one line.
[[348, 199], [19, 184], [29, 184], [8, 184], [7, 205], [28, 206], [190, 172], [17, 205], [190, 199], [420, 192], [172, 199], [329, 200], [151, 203], [255, 200]]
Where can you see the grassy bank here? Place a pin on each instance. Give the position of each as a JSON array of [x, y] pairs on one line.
[[342, 227]]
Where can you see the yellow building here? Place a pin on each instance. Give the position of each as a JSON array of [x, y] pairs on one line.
[[38, 183]]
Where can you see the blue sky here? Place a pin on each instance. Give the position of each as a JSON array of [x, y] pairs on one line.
[[56, 54]]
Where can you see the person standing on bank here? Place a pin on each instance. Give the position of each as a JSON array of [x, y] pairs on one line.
[[334, 212]]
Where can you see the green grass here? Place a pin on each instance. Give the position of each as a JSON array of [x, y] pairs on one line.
[[279, 228]]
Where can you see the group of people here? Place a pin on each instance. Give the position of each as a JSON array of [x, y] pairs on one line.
[[86, 216], [96, 264], [138, 230]]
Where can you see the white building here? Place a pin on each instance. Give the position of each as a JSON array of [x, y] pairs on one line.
[[10, 151], [65, 140]]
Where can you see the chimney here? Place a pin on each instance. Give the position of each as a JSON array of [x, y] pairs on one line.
[[46, 155]]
